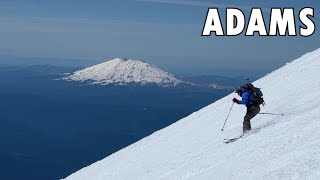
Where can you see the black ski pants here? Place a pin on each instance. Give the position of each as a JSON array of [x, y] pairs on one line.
[[252, 111]]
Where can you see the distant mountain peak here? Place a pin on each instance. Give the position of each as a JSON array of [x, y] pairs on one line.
[[123, 59], [122, 71]]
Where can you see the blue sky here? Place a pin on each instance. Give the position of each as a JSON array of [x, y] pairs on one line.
[[163, 32]]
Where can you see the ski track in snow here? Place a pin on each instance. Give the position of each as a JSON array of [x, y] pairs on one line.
[[281, 148]]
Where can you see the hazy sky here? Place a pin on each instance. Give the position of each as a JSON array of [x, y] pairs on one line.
[[166, 33]]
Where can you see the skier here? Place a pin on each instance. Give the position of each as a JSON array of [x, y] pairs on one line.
[[253, 108]]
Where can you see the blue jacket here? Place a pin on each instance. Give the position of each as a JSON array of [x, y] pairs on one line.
[[246, 98]]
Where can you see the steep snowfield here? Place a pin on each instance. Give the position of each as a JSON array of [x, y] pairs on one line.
[[279, 148], [123, 71]]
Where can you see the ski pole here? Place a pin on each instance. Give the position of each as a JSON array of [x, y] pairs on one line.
[[273, 114], [227, 117]]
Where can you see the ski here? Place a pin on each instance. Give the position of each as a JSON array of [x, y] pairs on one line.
[[232, 139], [243, 135]]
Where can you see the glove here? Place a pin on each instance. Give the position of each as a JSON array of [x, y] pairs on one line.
[[235, 100]]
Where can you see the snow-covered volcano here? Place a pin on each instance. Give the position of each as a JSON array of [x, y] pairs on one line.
[[278, 148], [124, 71]]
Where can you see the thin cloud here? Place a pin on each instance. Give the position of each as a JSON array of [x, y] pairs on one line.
[[194, 3], [31, 24], [6, 7]]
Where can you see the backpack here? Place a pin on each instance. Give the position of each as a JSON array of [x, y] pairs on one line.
[[257, 95]]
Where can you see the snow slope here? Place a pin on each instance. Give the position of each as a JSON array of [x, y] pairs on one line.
[[279, 148], [123, 71]]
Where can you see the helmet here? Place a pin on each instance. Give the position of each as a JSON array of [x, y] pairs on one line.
[[238, 89]]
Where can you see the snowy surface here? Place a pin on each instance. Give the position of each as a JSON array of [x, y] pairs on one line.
[[279, 148], [123, 71]]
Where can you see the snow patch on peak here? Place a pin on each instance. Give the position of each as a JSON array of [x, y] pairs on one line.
[[122, 71]]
